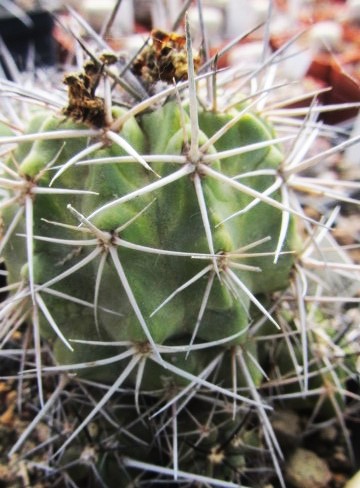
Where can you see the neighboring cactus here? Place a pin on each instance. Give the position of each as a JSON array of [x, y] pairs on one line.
[[169, 229]]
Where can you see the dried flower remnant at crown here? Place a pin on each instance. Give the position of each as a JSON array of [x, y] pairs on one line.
[[164, 58], [83, 105]]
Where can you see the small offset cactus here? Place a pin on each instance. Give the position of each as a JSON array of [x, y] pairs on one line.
[[159, 246]]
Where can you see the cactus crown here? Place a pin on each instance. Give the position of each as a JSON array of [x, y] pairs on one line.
[[158, 239]]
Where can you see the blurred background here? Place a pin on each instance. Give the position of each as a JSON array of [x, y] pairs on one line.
[[34, 31], [38, 34]]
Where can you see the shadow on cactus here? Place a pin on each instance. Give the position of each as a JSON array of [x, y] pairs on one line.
[[159, 247]]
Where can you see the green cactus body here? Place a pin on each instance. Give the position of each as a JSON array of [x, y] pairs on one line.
[[172, 222]]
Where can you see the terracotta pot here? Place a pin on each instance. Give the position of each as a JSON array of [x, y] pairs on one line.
[[345, 89]]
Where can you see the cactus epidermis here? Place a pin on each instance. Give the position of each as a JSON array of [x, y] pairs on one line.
[[170, 240]]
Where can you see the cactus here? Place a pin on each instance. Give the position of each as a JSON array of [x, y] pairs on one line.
[[158, 247]]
